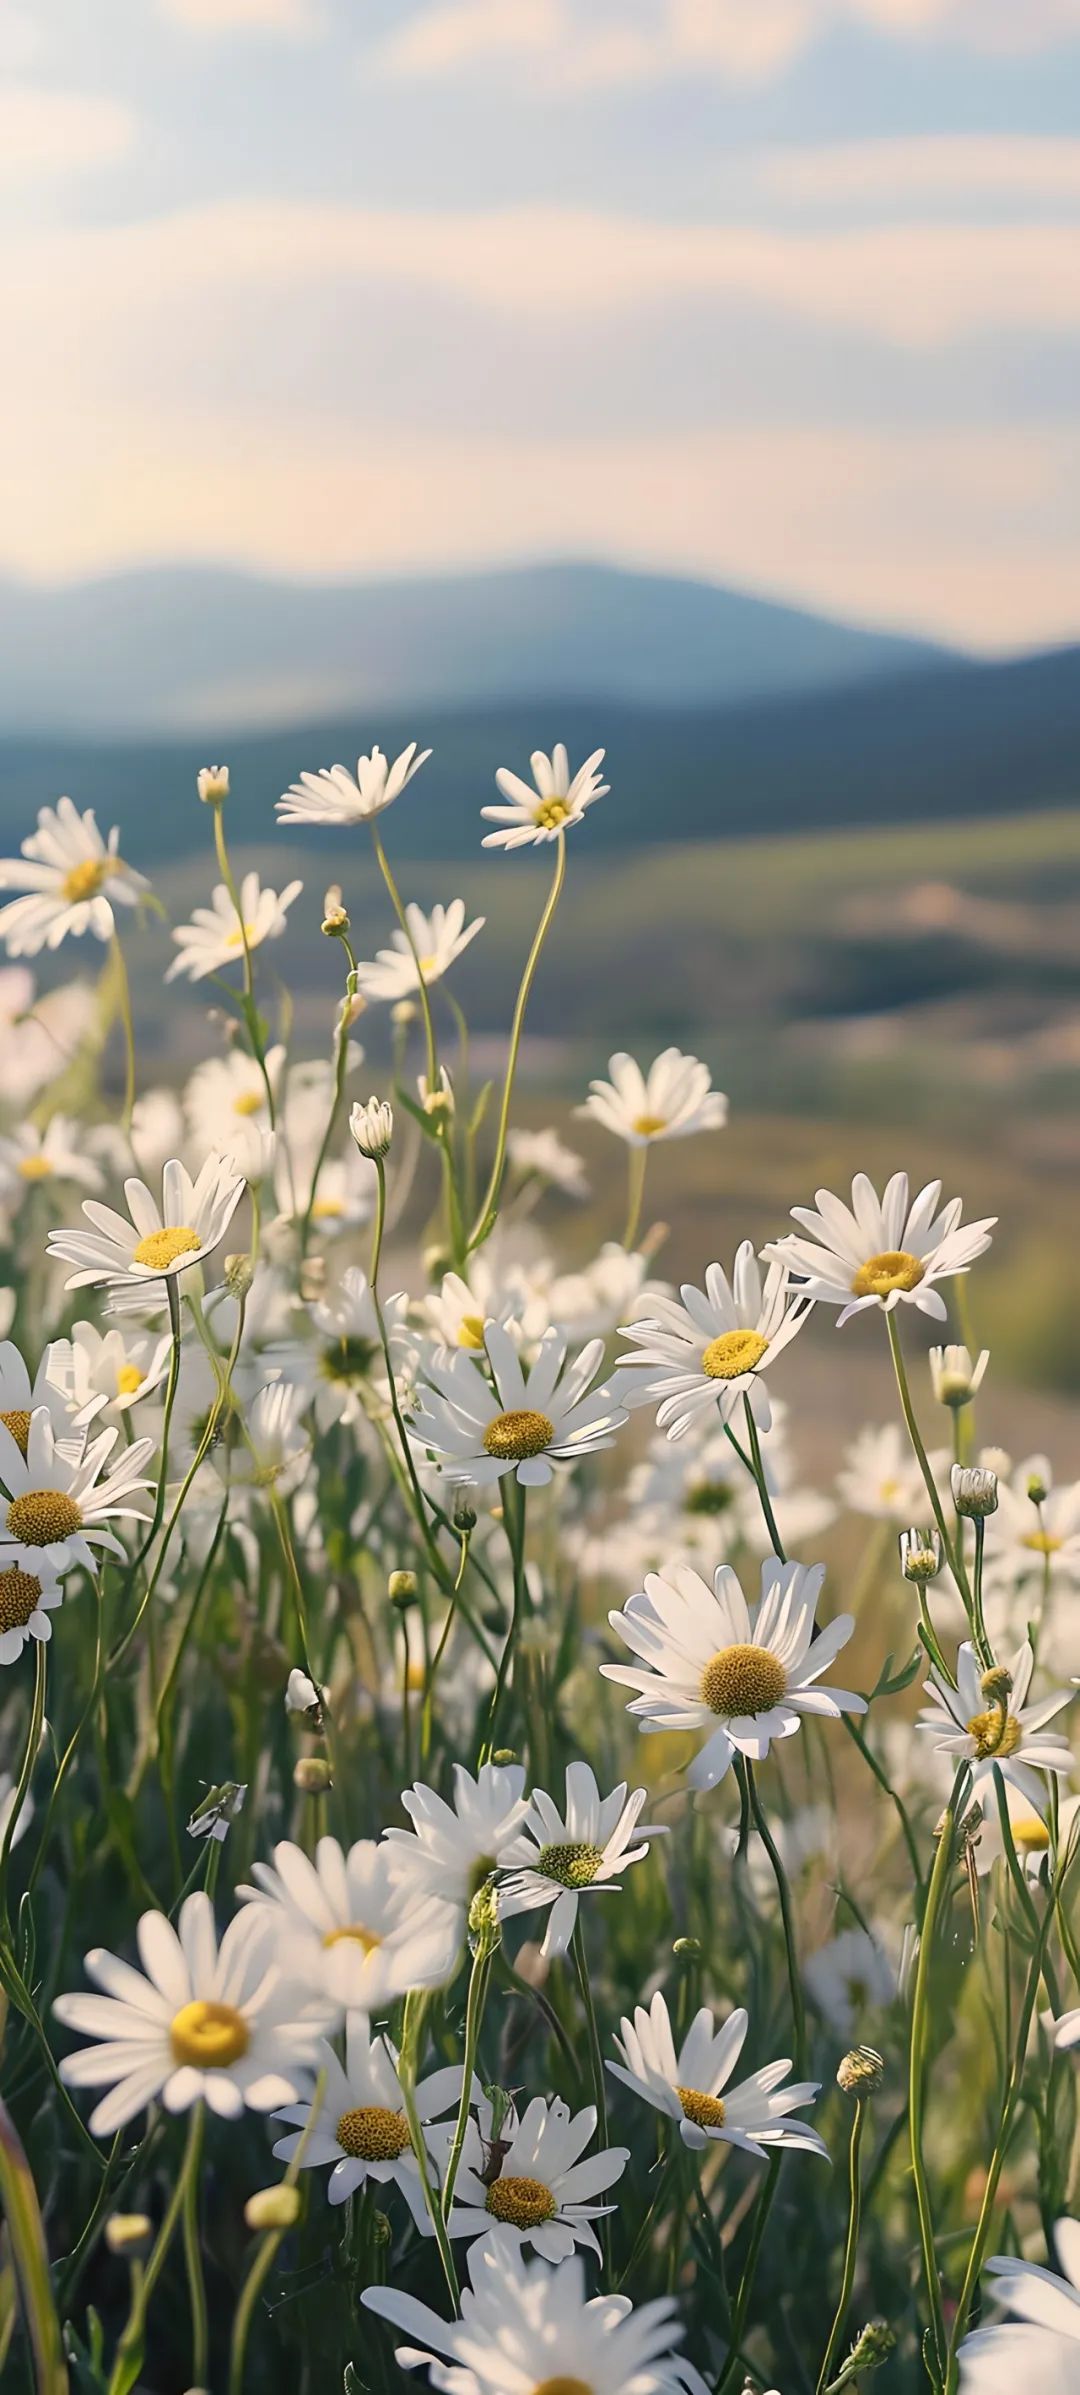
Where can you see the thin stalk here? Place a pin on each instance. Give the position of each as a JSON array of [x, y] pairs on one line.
[[334, 1116], [250, 1010], [635, 1197], [515, 1531], [123, 991], [940, 1878], [798, 2008], [129, 2352], [26, 1773], [415, 2008], [851, 2248], [394, 894], [486, 1216], [954, 1556], [200, 2325], [475, 2003], [266, 2255], [432, 1669], [746, 2283]]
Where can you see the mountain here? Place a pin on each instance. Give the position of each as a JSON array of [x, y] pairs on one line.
[[948, 742], [205, 651]]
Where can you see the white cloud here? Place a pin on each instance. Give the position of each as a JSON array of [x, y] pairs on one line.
[[579, 44], [295, 18], [965, 166], [55, 133]]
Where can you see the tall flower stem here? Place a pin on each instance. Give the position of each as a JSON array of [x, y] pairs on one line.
[[514, 1508], [129, 2353], [394, 894], [123, 1000], [741, 2305], [250, 1009], [851, 2248], [22, 1786], [200, 2324], [415, 2008], [334, 1116], [798, 2008], [487, 1939], [940, 1880], [635, 1198], [486, 1217], [596, 2059], [266, 2255], [954, 1555]]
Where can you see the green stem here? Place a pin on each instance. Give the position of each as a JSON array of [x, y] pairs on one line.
[[394, 894], [953, 1553], [749, 2274], [415, 2007], [334, 1115], [514, 1510], [266, 2254], [475, 2003], [200, 2327], [250, 1010], [123, 990], [798, 2008], [129, 2352], [33, 1741], [636, 1167], [852, 2246], [486, 1216], [940, 1879]]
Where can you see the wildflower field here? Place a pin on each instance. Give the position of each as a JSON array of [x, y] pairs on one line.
[[500, 1877]]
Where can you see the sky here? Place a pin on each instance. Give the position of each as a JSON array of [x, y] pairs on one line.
[[782, 293]]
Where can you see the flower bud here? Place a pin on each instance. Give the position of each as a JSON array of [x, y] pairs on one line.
[[239, 1272], [380, 2229], [403, 1012], [302, 1696], [484, 1916], [861, 2072], [440, 1100], [401, 1588], [688, 1950], [335, 922], [974, 1491], [129, 2233], [212, 784], [872, 2346], [311, 1775], [920, 1555], [464, 1515], [273, 2208], [1037, 1489], [997, 1684], [372, 1127], [955, 1378], [504, 1754]]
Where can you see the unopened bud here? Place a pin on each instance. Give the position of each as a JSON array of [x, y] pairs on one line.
[[239, 1273], [372, 1127], [273, 2208], [403, 1012], [974, 1491], [335, 922], [311, 1775], [504, 1754], [464, 1515], [1037, 1489], [380, 2229], [212, 784], [401, 1588], [920, 1555], [130, 2233], [484, 1916], [997, 1684], [861, 2072], [872, 2346], [438, 1099], [955, 1378], [688, 1950]]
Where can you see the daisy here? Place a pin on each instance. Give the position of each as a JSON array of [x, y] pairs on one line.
[[591, 1303], [672, 1100], [453, 1848], [954, 1378], [74, 879], [539, 813], [555, 1859], [879, 1475], [347, 1929], [712, 1664], [40, 1032], [522, 1424], [154, 1244], [29, 1156], [990, 1726], [26, 1600], [361, 2126], [530, 2185], [200, 2021], [686, 2085], [884, 1252], [335, 796], [1043, 2346], [706, 1353], [855, 1974], [19, 1395], [107, 1372], [529, 2328], [157, 1130], [218, 934], [543, 1156], [347, 1356], [1034, 1539], [56, 1504], [228, 1109], [439, 939]]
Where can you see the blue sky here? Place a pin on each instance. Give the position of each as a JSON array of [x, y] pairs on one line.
[[781, 292]]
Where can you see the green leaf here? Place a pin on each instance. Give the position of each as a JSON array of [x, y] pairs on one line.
[[18, 2196]]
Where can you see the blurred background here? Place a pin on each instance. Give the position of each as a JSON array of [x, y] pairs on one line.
[[687, 377]]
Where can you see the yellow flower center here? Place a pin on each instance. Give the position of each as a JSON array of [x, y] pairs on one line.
[[512, 1437], [85, 880], [524, 2202], [243, 936], [159, 1249], [18, 1423], [19, 1593], [707, 2112], [1041, 1542], [563, 2386], [371, 2133], [550, 813], [894, 1269], [327, 1209], [647, 1125], [428, 964], [742, 1679], [209, 2036], [353, 1933], [572, 1866], [733, 1352], [471, 1331], [35, 1168], [709, 1497], [128, 1379], [995, 1733], [42, 1517], [248, 1102], [1031, 1833]]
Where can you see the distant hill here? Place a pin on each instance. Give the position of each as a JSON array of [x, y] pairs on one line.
[[210, 652], [946, 743]]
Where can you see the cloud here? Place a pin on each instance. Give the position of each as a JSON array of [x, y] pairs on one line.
[[298, 19], [948, 166], [55, 133], [582, 44]]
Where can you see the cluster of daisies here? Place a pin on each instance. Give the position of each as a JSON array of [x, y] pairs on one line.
[[243, 1361]]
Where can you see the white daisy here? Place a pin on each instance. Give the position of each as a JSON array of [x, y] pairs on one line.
[[106, 1373], [590, 1304], [710, 1351], [206, 2022], [218, 934], [497, 1286], [533, 2184], [74, 879], [672, 1100], [996, 1728], [853, 1976], [525, 1424], [335, 796], [345, 1360], [439, 939], [712, 1664], [540, 812], [30, 1156], [555, 1859], [544, 1156], [883, 1252], [156, 1242], [879, 1475], [228, 1110], [19, 1394], [687, 2085], [157, 1130], [954, 1378], [347, 1929], [1034, 1540], [40, 1032], [56, 1503], [26, 1600], [1042, 2346], [361, 2126], [452, 1848], [529, 2329]]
